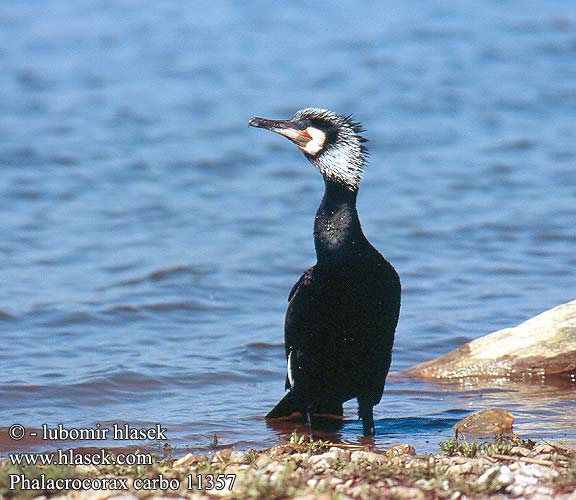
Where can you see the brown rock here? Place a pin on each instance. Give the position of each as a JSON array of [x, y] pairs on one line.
[[488, 422], [544, 346]]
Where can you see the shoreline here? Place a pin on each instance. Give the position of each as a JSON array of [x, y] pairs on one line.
[[507, 467]]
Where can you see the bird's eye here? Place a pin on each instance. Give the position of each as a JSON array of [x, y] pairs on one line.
[[302, 125]]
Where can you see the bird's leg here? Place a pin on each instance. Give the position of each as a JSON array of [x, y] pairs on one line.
[[365, 412], [309, 420]]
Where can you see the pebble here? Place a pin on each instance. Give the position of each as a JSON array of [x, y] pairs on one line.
[[457, 469], [189, 459], [236, 468], [338, 454], [519, 451], [222, 456], [365, 456], [505, 475], [262, 460], [401, 449], [319, 463], [543, 448], [489, 475], [406, 493], [237, 457], [312, 482], [299, 457]]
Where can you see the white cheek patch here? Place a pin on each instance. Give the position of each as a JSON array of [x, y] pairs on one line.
[[316, 144]]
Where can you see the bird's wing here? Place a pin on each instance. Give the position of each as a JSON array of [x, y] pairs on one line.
[[304, 281], [295, 317]]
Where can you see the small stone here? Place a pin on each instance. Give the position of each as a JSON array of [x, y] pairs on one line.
[[312, 482], [189, 459], [538, 471], [519, 451], [489, 475], [543, 448], [222, 456], [236, 468], [320, 463], [458, 469], [262, 460], [314, 459], [299, 457], [274, 468], [338, 454], [505, 475], [400, 449], [404, 492], [286, 449], [365, 456], [237, 457]]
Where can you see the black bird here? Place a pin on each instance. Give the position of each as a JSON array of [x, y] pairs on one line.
[[343, 311]]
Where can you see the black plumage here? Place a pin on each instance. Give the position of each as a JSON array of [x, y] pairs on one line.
[[343, 311]]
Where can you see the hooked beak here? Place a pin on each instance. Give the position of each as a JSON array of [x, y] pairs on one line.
[[282, 127]]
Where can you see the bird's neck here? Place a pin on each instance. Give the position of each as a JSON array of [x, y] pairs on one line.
[[337, 230]]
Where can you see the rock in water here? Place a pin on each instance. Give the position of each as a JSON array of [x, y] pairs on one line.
[[488, 422], [543, 346]]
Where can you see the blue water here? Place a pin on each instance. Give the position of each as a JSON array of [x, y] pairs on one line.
[[150, 238]]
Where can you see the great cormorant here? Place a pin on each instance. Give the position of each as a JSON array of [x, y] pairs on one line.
[[343, 311]]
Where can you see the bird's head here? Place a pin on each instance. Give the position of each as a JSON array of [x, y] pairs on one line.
[[332, 142]]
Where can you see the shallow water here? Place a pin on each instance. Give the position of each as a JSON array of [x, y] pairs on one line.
[[149, 238]]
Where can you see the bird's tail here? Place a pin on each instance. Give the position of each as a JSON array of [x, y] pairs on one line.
[[288, 408], [292, 407]]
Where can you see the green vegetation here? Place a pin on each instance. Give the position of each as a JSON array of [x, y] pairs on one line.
[[252, 455], [502, 445], [310, 445]]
